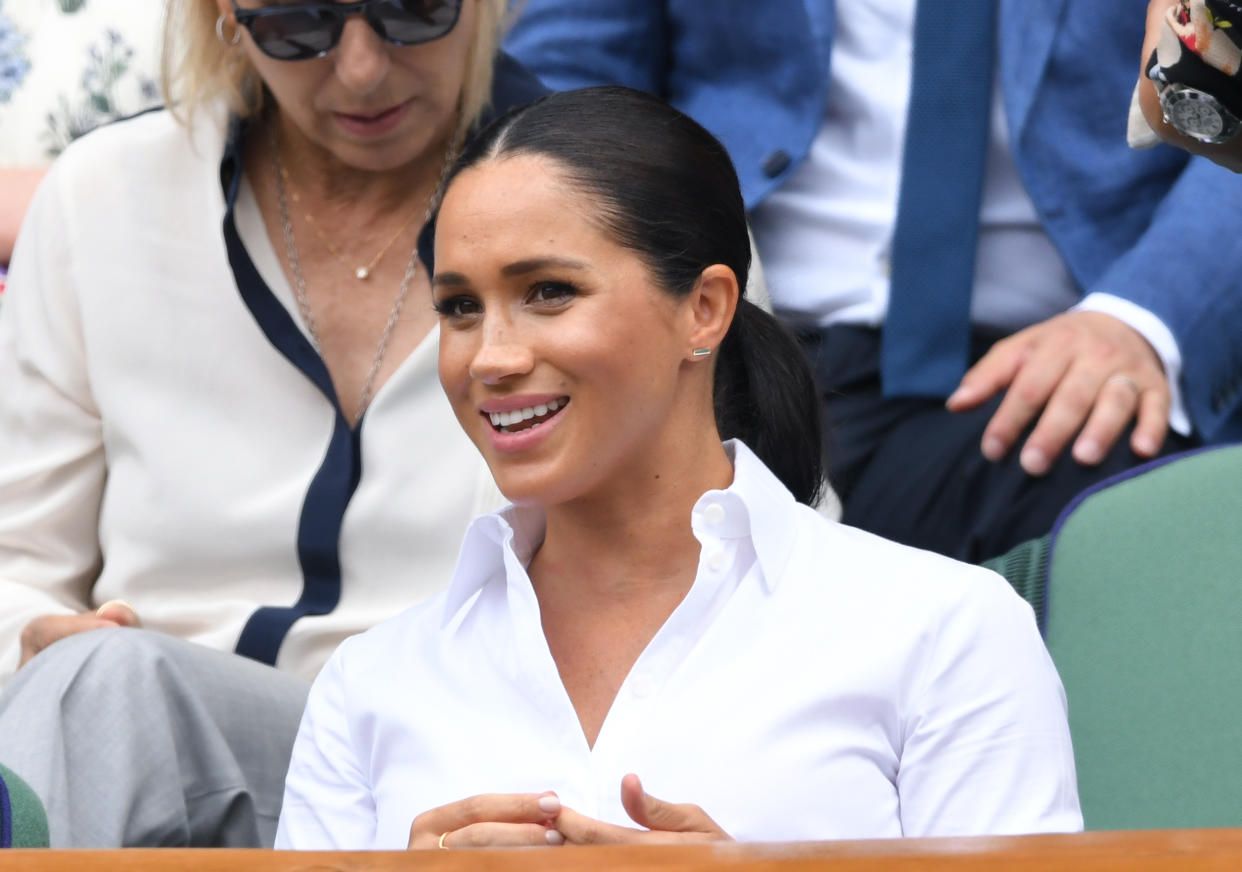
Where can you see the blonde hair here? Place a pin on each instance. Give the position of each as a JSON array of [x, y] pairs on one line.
[[197, 69]]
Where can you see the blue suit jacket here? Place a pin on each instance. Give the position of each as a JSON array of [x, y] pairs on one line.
[[1156, 227]]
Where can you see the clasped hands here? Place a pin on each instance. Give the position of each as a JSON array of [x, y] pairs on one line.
[[1084, 373], [525, 819]]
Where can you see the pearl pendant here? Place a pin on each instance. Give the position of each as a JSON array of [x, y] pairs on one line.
[[362, 273]]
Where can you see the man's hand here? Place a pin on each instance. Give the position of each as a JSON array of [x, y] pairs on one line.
[[1078, 371], [664, 823], [1228, 154], [45, 630], [492, 820]]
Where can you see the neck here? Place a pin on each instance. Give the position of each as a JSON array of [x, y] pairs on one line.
[[633, 537], [325, 182]]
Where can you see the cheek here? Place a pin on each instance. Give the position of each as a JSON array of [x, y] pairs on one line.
[[441, 66], [454, 365], [639, 365]]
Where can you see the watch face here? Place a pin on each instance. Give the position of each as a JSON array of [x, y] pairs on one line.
[[1197, 115], [1197, 119]]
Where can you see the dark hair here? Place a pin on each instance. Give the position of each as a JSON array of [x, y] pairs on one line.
[[669, 192]]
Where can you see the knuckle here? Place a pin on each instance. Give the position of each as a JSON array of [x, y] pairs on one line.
[[1075, 397], [419, 825], [691, 811], [1028, 394], [472, 807], [1120, 400], [1106, 352]]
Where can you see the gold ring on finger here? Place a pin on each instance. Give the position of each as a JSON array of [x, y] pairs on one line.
[[440, 844], [1124, 380]]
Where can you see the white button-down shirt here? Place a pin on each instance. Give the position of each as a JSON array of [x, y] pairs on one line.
[[816, 682]]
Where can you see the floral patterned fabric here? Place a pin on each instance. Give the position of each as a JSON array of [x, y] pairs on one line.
[[67, 66], [1199, 46]]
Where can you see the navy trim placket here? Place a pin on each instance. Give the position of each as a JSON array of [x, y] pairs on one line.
[[327, 497], [334, 483]]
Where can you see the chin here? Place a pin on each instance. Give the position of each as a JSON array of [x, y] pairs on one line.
[[522, 487], [540, 484]]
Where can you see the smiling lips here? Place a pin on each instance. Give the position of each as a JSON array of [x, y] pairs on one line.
[[527, 418]]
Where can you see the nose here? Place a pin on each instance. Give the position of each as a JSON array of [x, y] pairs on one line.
[[500, 355], [361, 56]]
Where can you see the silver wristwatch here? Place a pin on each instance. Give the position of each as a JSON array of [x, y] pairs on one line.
[[1197, 114]]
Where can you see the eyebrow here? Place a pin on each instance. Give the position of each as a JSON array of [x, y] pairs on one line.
[[534, 264], [451, 279], [517, 268]]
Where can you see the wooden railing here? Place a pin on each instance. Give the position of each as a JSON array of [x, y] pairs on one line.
[[1154, 851]]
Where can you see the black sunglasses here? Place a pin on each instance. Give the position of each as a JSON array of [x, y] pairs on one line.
[[297, 32]]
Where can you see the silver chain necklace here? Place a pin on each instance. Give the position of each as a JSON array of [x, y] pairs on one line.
[[299, 280]]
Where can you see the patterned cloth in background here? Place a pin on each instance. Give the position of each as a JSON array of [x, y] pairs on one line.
[[67, 66], [1200, 46]]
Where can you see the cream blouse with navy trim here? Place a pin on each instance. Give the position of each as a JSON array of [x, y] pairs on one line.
[[169, 436]]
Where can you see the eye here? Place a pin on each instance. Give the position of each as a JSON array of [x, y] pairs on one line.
[[552, 294], [458, 308]]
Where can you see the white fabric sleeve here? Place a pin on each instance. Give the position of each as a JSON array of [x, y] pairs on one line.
[[1159, 337], [52, 468], [328, 804], [987, 747]]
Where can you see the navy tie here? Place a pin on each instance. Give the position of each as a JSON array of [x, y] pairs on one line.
[[926, 340]]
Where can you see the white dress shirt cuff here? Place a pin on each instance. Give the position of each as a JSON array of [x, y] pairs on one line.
[[1159, 337]]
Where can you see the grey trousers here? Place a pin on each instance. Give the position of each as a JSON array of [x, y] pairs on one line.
[[133, 738]]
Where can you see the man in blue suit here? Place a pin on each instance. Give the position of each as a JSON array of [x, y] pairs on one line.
[[1099, 306]]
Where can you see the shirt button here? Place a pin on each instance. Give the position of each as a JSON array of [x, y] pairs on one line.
[[776, 163], [714, 513], [716, 561]]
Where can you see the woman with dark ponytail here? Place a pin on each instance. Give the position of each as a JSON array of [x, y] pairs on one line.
[[660, 599]]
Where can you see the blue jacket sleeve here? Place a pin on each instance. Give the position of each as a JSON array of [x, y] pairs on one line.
[[1186, 269], [579, 43]]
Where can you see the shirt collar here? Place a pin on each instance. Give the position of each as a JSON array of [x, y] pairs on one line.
[[231, 165], [755, 505]]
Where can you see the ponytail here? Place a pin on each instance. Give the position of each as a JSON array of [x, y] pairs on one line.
[[766, 396]]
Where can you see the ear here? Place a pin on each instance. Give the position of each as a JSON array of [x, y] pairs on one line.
[[711, 306], [225, 8]]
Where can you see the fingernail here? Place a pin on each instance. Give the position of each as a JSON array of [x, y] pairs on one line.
[[1087, 451], [550, 804], [115, 602], [554, 837], [993, 448], [957, 396], [1145, 446], [1033, 461]]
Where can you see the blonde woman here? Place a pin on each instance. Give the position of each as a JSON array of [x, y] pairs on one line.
[[219, 408]]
